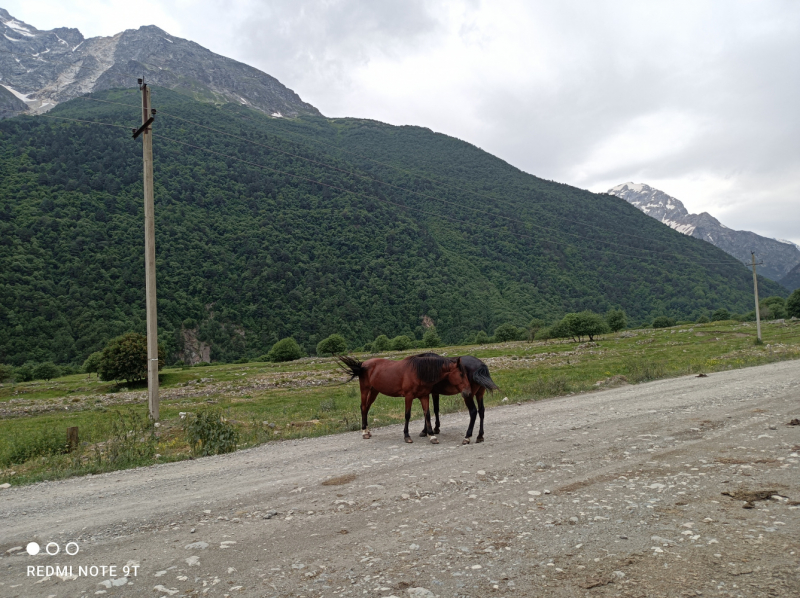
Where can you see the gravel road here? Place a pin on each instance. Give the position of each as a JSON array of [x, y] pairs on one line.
[[620, 492]]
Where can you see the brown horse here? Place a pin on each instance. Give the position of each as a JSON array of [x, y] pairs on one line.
[[412, 377]]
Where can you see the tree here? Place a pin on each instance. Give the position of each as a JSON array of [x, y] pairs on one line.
[[585, 323], [381, 343], [46, 371], [505, 332], [533, 327], [793, 304], [704, 319], [616, 320], [431, 339], [663, 322], [285, 349], [773, 308], [401, 343], [24, 373], [92, 362], [721, 315], [125, 358], [335, 344], [481, 338]]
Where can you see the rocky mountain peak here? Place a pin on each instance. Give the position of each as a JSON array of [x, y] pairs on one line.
[[779, 257], [43, 68]]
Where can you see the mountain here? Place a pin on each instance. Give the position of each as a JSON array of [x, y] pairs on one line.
[[779, 257], [310, 226], [40, 69], [792, 280]]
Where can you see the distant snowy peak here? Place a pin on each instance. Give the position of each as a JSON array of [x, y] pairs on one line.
[[657, 204], [779, 256], [39, 69]]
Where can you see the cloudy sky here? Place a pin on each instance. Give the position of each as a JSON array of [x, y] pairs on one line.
[[699, 99]]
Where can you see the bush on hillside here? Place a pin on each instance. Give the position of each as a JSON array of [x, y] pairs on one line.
[[793, 304], [6, 372], [208, 433], [24, 373], [125, 358], [773, 308], [585, 324], [381, 343], [92, 362], [335, 344], [616, 320], [431, 339], [481, 338], [704, 319], [721, 315], [663, 322], [46, 371], [285, 349], [401, 343], [506, 332], [534, 326]]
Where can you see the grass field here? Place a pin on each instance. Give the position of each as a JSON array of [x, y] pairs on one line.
[[272, 402]]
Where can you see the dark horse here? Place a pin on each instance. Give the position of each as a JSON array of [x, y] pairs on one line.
[[480, 382], [412, 377]]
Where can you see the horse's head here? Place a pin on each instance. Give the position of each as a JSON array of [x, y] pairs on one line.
[[457, 376]]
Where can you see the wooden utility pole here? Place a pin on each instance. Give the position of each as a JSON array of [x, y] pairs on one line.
[[148, 115], [755, 291]]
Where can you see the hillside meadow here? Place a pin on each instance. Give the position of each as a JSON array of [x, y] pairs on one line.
[[270, 402]]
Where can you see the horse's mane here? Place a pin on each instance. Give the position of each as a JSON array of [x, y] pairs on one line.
[[428, 366]]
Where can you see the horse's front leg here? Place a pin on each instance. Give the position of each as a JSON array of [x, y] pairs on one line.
[[436, 412], [473, 413], [428, 427], [406, 435], [479, 396]]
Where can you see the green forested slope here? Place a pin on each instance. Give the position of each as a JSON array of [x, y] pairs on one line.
[[249, 255]]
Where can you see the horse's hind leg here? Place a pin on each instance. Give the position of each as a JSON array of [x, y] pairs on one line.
[[426, 409], [479, 396], [424, 432], [473, 413], [367, 399], [406, 435]]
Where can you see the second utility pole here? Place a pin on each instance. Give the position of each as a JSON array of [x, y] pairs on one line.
[[755, 290], [149, 251]]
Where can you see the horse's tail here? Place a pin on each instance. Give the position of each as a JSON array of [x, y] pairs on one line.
[[352, 366], [482, 377]]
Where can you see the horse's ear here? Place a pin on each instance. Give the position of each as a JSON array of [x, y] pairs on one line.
[[458, 362]]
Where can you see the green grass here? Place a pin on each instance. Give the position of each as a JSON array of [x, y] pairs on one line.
[[310, 400]]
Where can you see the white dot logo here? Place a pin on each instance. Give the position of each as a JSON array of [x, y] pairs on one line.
[[33, 548]]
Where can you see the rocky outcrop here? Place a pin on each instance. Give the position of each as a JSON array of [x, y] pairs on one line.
[[779, 257], [42, 68]]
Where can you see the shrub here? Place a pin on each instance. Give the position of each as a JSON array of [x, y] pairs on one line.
[[533, 327], [505, 332], [132, 440], [481, 338], [663, 322], [431, 339], [616, 320], [46, 371], [560, 329], [125, 358], [42, 443], [720, 315], [773, 308], [6, 372], [24, 373], [285, 349], [585, 323], [703, 319], [335, 344], [208, 433], [793, 304], [381, 343], [401, 343]]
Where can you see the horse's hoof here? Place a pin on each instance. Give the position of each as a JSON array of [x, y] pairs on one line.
[[436, 430], [434, 440], [408, 440], [465, 441], [479, 439], [366, 436], [423, 434]]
